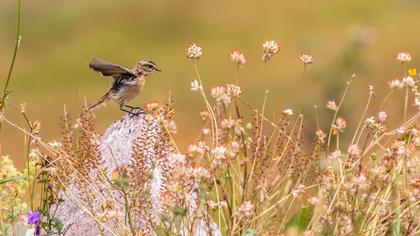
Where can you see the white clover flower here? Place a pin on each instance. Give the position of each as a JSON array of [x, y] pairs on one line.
[[177, 158], [337, 154], [271, 48], [320, 135], [298, 191], [218, 91], [195, 85], [331, 105], [238, 57], [288, 112], [339, 125], [201, 173], [403, 57], [54, 144], [245, 210], [227, 123], [382, 116], [194, 51], [353, 150], [306, 58], [408, 81], [396, 84], [233, 90], [205, 131], [370, 121]]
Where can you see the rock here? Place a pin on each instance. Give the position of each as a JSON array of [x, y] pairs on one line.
[[81, 204]]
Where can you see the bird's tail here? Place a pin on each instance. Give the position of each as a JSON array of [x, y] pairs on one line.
[[104, 99]]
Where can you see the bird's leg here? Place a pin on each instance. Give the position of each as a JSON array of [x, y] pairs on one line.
[[132, 108], [132, 114]]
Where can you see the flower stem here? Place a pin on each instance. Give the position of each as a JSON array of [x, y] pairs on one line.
[[6, 91]]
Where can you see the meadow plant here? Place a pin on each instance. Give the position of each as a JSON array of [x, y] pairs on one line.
[[241, 176]]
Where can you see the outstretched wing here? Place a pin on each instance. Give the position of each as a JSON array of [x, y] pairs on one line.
[[109, 69]]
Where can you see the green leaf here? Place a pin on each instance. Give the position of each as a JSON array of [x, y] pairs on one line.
[[249, 232], [396, 229], [3, 181], [301, 219], [58, 224]]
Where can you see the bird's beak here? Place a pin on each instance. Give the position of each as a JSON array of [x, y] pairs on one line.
[[157, 69]]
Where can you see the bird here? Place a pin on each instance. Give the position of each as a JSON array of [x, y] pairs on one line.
[[126, 84]]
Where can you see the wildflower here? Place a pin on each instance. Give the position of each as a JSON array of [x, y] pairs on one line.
[[152, 106], [194, 51], [339, 125], [412, 72], [314, 201], [370, 122], [233, 90], [54, 144], [214, 205], [371, 92], [219, 155], [396, 84], [238, 57], [403, 57], [201, 173], [320, 136], [288, 112], [306, 58], [245, 210], [227, 123], [298, 191], [34, 219], [408, 81], [195, 85], [177, 158], [198, 149], [337, 154], [205, 115], [382, 116], [271, 48], [171, 126], [220, 94], [401, 130], [205, 131], [354, 150], [331, 105]]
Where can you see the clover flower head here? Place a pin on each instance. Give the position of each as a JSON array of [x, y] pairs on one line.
[[195, 85], [271, 48], [288, 112], [238, 57], [408, 81], [307, 58], [331, 105], [403, 57], [396, 84], [194, 51]]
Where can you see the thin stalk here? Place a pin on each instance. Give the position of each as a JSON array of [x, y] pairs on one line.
[[336, 113], [12, 64]]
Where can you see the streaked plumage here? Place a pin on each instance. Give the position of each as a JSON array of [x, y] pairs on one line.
[[127, 83]]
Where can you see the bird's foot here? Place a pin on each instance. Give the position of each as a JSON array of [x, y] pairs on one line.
[[135, 111]]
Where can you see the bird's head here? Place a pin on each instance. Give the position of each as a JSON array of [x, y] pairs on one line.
[[146, 67]]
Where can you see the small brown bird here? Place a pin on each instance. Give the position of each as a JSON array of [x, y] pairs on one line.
[[126, 85]]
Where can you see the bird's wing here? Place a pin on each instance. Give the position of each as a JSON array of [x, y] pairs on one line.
[[109, 69]]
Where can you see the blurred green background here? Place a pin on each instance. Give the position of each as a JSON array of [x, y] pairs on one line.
[[60, 37]]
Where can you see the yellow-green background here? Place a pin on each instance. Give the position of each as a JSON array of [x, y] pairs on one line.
[[59, 37]]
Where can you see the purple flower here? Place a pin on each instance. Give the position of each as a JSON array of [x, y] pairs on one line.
[[34, 219]]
